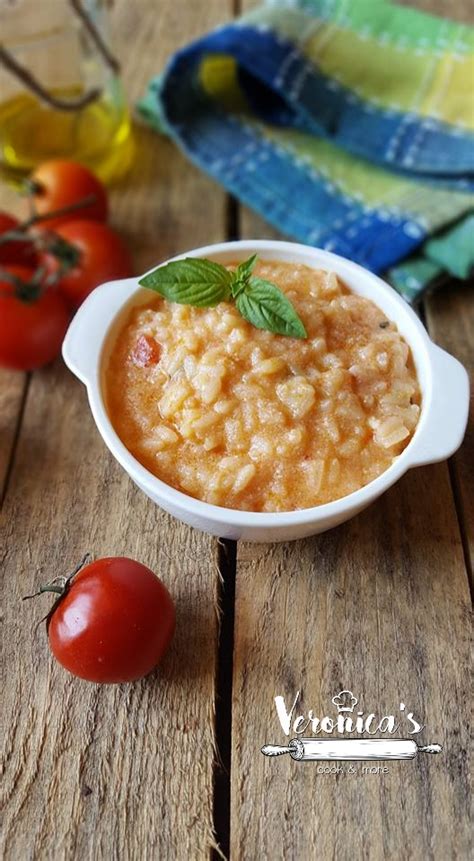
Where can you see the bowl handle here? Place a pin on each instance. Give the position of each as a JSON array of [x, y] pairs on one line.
[[448, 410], [84, 338]]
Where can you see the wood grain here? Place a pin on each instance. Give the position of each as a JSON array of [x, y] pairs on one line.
[[459, 10], [114, 771], [379, 606], [450, 318], [13, 386]]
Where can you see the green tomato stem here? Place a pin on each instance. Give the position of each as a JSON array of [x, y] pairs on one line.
[[60, 585]]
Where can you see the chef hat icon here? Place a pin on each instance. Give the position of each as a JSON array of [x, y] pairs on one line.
[[345, 701]]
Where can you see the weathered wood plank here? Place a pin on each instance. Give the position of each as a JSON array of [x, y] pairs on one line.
[[150, 207], [12, 392], [12, 383], [378, 606], [113, 771], [133, 746], [459, 10], [450, 319]]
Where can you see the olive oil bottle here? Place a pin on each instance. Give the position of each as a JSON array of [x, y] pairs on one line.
[[60, 92], [30, 132]]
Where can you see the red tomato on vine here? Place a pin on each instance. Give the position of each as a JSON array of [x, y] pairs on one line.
[[33, 320], [58, 184], [100, 256]]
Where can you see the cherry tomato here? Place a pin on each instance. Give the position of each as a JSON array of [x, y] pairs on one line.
[[103, 257], [16, 251], [62, 183], [31, 332], [114, 623]]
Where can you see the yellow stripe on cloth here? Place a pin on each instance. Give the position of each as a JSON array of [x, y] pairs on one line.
[[403, 80], [218, 77], [371, 185]]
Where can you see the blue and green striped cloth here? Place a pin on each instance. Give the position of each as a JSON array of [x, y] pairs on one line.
[[347, 125]]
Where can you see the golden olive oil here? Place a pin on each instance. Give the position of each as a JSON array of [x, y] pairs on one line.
[[98, 135]]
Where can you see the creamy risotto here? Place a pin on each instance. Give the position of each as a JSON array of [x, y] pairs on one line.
[[245, 419]]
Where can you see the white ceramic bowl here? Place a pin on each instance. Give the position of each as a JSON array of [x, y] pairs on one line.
[[443, 381]]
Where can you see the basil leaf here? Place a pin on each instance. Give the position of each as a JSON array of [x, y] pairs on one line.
[[203, 283], [241, 276], [245, 269], [191, 281], [266, 307]]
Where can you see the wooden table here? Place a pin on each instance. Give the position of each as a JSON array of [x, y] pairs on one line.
[[170, 768]]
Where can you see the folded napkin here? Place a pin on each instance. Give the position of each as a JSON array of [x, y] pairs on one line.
[[348, 126]]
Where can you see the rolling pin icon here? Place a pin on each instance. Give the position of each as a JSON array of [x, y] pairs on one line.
[[350, 749]]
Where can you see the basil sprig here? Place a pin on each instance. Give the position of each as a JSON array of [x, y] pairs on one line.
[[204, 284]]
